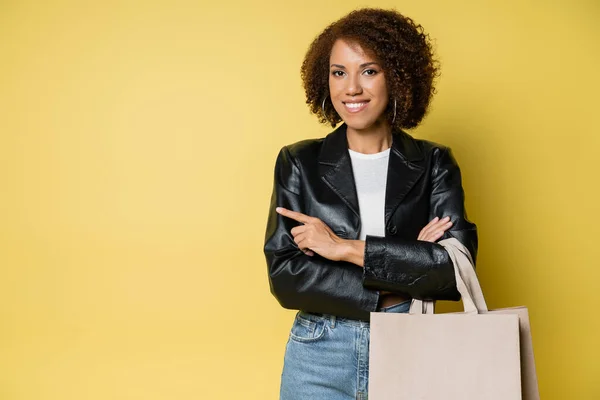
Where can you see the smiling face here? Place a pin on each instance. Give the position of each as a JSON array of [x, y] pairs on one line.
[[357, 86]]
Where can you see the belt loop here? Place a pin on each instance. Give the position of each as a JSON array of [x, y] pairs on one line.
[[332, 321]]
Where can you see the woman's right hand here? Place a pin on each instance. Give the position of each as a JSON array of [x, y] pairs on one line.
[[435, 229]]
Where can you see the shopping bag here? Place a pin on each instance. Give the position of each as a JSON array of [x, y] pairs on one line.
[[529, 381], [473, 355]]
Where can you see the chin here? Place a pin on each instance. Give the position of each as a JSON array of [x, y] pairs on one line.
[[358, 125]]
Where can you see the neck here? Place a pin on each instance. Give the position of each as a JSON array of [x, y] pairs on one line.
[[371, 140]]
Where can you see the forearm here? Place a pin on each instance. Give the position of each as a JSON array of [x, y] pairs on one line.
[[420, 269], [316, 284], [354, 252]]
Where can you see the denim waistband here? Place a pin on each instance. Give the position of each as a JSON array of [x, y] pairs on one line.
[[396, 308]]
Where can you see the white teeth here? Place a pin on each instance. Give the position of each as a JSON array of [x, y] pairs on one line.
[[355, 105]]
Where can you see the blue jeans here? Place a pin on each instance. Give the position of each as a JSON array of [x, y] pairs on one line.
[[327, 357]]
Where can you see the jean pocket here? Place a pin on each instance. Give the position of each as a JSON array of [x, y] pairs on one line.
[[306, 330]]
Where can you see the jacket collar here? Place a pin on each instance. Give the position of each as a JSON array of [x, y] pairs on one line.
[[335, 146], [404, 169]]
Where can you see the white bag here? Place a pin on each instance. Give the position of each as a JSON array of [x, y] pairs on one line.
[[475, 355]]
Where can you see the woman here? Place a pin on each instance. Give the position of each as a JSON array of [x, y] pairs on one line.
[[355, 216]]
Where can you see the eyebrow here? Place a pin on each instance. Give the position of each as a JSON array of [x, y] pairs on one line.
[[361, 65]]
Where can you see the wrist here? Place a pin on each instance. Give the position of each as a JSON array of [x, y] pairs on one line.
[[353, 251]]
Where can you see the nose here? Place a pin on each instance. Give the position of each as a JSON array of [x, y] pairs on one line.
[[353, 87]]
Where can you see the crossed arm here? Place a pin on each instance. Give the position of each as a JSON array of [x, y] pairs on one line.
[[312, 269], [314, 236]]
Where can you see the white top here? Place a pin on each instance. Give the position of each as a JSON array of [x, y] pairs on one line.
[[370, 177]]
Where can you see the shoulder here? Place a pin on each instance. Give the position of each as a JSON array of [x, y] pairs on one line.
[[438, 158], [304, 148], [415, 149], [300, 152], [426, 146], [432, 147]]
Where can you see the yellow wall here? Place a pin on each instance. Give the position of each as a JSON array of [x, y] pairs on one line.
[[137, 143]]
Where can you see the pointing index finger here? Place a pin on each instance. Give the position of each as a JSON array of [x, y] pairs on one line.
[[296, 216]]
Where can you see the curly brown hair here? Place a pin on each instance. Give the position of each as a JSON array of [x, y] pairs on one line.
[[401, 47]]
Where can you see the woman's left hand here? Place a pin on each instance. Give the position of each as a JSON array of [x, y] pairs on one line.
[[314, 236]]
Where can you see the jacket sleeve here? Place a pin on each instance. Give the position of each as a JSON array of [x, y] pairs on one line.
[[418, 268], [302, 282]]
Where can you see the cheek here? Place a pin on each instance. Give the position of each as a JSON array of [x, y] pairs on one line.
[[376, 85], [335, 87], [379, 89], [378, 92]]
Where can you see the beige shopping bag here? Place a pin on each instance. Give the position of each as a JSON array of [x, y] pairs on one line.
[[475, 355], [529, 381]]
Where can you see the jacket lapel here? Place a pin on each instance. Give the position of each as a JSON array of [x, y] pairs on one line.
[[336, 167], [404, 169]]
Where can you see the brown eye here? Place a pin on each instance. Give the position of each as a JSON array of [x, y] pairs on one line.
[[370, 72], [337, 73]]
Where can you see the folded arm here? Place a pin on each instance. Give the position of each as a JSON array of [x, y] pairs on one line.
[[421, 269]]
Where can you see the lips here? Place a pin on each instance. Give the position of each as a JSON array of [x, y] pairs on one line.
[[355, 106]]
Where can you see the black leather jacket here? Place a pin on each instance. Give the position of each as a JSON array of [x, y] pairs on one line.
[[315, 177]]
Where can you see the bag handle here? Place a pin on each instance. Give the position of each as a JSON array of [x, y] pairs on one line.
[[466, 282]]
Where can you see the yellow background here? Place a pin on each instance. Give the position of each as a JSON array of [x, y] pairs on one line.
[[137, 145]]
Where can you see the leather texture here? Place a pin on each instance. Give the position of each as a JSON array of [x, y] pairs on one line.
[[315, 177]]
